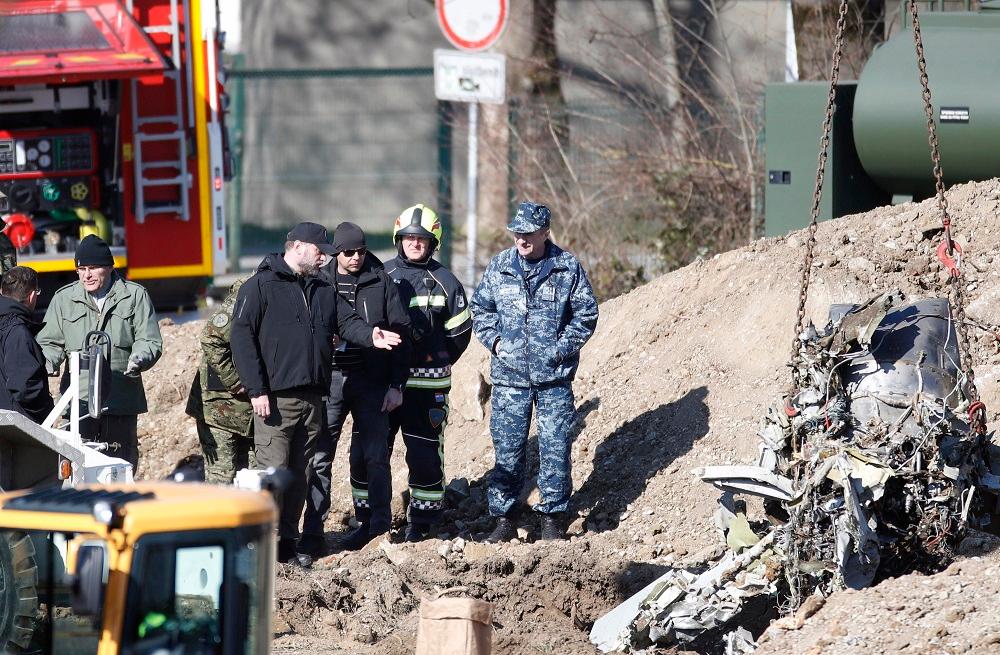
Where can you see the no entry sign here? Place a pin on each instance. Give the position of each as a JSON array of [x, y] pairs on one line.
[[472, 24]]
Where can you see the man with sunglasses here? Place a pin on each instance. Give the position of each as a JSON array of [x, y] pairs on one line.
[[534, 309], [366, 382]]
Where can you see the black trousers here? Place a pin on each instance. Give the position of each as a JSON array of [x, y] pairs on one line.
[[371, 478], [421, 419]]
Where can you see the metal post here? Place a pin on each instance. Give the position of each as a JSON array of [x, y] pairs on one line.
[[471, 226]]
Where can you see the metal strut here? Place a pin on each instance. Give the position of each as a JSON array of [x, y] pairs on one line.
[[948, 248]]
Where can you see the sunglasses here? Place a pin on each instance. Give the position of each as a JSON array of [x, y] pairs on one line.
[[353, 251]]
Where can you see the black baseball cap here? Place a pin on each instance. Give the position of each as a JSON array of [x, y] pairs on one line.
[[313, 233]]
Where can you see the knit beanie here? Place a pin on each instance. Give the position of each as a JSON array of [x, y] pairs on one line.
[[93, 251]]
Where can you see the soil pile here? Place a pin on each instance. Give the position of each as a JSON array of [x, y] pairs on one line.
[[678, 375]]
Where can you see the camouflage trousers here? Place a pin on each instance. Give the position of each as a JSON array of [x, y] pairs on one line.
[[509, 422], [225, 453]]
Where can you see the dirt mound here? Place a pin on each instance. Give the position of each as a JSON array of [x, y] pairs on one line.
[[678, 375]]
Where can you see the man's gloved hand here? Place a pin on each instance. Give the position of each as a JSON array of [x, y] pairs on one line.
[[50, 369], [132, 368]]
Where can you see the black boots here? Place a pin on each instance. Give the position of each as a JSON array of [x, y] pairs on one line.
[[356, 539], [313, 545], [552, 529], [416, 532], [503, 532], [288, 554]]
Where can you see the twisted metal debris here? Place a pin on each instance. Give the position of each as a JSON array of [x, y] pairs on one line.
[[869, 470]]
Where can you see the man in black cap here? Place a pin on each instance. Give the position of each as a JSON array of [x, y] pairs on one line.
[[285, 327], [369, 384], [103, 300]]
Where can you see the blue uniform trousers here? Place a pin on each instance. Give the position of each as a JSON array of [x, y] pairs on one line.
[[511, 416]]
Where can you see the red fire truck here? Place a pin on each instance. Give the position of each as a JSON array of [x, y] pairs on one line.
[[112, 122]]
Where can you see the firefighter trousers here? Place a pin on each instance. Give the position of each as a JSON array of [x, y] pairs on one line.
[[421, 419]]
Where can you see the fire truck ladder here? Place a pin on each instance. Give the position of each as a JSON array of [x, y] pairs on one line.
[[176, 170]]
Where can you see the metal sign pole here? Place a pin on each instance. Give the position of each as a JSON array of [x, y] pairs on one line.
[[473, 196]]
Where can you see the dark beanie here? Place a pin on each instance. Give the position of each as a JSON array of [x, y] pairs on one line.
[[93, 251], [348, 236]]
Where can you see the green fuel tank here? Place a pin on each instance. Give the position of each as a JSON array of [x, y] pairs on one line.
[[890, 127]]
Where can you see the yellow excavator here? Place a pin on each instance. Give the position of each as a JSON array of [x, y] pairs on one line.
[[138, 568], [94, 563]]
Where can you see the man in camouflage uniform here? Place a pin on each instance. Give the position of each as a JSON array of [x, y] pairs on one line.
[[219, 403], [534, 309]]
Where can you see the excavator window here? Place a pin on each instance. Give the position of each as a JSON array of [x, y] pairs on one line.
[[196, 593]]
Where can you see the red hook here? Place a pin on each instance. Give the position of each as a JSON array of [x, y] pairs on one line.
[[949, 261]]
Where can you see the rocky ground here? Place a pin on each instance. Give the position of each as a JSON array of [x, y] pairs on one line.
[[678, 375]]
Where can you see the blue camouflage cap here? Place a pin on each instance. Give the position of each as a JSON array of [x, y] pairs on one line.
[[529, 217]]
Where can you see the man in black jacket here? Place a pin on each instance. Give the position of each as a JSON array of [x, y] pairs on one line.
[[369, 384], [287, 320], [25, 386]]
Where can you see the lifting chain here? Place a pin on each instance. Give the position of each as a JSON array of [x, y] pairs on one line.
[[824, 145], [977, 411]]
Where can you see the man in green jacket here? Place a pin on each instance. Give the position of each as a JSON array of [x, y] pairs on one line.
[[103, 300], [218, 401]]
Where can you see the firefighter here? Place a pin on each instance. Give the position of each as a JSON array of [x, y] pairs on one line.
[[218, 401], [441, 326], [534, 309]]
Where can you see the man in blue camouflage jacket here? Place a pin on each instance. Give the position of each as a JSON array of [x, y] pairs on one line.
[[534, 309]]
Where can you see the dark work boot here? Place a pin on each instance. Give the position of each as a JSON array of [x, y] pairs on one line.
[[313, 545], [287, 554], [552, 529], [356, 539], [416, 532], [503, 531]]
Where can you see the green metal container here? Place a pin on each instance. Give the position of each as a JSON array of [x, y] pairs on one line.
[[792, 126], [890, 127]]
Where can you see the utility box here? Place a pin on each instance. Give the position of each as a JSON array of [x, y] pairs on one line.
[[793, 126]]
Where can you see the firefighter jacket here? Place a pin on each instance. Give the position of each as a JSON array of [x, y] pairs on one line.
[[439, 319], [534, 321], [127, 316], [377, 301], [283, 329], [213, 398], [24, 386]]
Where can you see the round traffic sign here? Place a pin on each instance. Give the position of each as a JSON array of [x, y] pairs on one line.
[[472, 24]]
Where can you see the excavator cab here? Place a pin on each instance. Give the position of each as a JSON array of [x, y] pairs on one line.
[[137, 569]]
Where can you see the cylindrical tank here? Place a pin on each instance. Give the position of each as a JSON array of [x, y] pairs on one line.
[[890, 127]]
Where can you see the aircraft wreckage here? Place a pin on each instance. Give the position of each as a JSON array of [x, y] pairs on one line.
[[870, 469]]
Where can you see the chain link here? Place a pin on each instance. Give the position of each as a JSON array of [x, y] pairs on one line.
[[824, 146], [957, 294]]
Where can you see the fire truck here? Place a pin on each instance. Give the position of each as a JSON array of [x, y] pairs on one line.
[[112, 123]]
